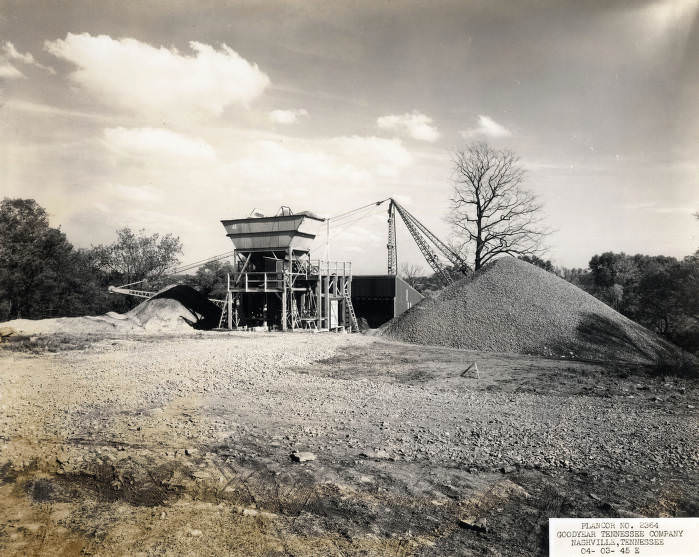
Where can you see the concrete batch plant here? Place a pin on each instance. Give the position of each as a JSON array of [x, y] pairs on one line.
[[276, 283]]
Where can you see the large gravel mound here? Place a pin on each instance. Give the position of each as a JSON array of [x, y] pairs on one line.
[[175, 309], [513, 306]]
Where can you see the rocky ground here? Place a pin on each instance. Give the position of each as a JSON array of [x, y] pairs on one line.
[[303, 444]]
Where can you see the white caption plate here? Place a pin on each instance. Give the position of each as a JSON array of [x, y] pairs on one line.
[[618, 537]]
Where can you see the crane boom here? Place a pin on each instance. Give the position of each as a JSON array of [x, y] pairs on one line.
[[454, 258], [391, 245], [422, 236], [427, 253]]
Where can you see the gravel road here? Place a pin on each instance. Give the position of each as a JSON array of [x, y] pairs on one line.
[[393, 429]]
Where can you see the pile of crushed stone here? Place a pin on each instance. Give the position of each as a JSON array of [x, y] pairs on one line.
[[175, 309], [513, 306]]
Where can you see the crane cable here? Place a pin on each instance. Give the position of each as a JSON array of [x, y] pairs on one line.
[[375, 203], [342, 221], [186, 267]]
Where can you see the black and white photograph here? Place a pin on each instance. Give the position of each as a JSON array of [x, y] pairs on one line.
[[349, 278]]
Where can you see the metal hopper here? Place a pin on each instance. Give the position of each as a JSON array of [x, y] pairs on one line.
[[295, 231]]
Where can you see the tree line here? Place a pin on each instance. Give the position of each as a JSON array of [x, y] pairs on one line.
[[43, 275]]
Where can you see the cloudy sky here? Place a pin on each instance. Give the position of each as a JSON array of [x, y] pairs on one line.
[[171, 115]]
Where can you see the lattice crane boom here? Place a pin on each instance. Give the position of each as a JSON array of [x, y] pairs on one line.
[[454, 258], [424, 247], [391, 245], [422, 236]]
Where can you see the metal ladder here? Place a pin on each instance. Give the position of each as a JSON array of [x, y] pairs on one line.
[[295, 317], [350, 308], [224, 311]]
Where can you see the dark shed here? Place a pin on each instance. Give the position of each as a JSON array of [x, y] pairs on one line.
[[380, 298]]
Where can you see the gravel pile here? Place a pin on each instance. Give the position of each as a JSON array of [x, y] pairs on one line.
[[175, 309], [513, 306]]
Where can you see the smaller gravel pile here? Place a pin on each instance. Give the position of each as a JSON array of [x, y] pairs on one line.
[[513, 306], [175, 309]]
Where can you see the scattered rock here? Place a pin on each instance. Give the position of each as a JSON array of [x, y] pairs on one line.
[[247, 511], [376, 455], [623, 513], [302, 456], [473, 523], [7, 332]]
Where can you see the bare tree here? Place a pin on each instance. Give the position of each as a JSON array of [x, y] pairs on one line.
[[410, 273], [490, 206]]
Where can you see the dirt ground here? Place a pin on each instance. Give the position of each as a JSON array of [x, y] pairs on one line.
[[181, 445]]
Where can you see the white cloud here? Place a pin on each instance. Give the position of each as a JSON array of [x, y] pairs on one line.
[[487, 127], [385, 157], [417, 125], [8, 71], [157, 142], [149, 80], [287, 116], [349, 163], [26, 106], [145, 181], [9, 52]]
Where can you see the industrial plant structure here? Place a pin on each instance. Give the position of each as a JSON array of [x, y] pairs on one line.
[[276, 283]]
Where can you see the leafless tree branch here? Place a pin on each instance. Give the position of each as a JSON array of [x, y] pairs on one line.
[[490, 208]]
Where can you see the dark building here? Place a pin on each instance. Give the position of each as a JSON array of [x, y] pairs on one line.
[[380, 298]]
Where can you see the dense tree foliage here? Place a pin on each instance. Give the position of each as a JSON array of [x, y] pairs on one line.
[[661, 293], [136, 255], [41, 274], [211, 279], [539, 262]]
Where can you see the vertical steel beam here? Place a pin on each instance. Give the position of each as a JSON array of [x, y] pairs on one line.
[[342, 310], [290, 281], [319, 299], [229, 301], [284, 305], [326, 305]]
